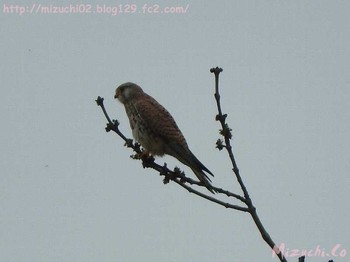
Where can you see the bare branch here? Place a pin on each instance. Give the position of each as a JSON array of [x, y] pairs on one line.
[[226, 133], [182, 180]]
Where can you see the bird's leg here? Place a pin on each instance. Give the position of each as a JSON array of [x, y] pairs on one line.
[[143, 154]]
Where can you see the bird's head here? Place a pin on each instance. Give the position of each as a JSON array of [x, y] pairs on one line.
[[127, 91]]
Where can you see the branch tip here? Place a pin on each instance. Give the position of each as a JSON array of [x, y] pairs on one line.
[[217, 70], [99, 101]]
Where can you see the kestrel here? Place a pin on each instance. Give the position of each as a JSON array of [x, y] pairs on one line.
[[156, 130]]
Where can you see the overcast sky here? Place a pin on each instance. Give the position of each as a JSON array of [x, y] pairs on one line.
[[70, 192]]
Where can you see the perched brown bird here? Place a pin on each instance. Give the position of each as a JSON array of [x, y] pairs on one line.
[[156, 130]]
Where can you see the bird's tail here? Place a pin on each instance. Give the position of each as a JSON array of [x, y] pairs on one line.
[[185, 156], [204, 179], [198, 169]]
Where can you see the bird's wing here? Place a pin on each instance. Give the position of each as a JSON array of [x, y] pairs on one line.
[[163, 125], [159, 120]]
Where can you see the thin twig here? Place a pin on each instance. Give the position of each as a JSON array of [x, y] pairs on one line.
[[210, 198], [226, 133]]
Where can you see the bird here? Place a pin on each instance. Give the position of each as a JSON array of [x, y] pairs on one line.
[[156, 130]]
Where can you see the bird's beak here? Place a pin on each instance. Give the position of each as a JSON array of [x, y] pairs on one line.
[[117, 93]]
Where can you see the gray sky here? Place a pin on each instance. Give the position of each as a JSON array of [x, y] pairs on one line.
[[70, 192]]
